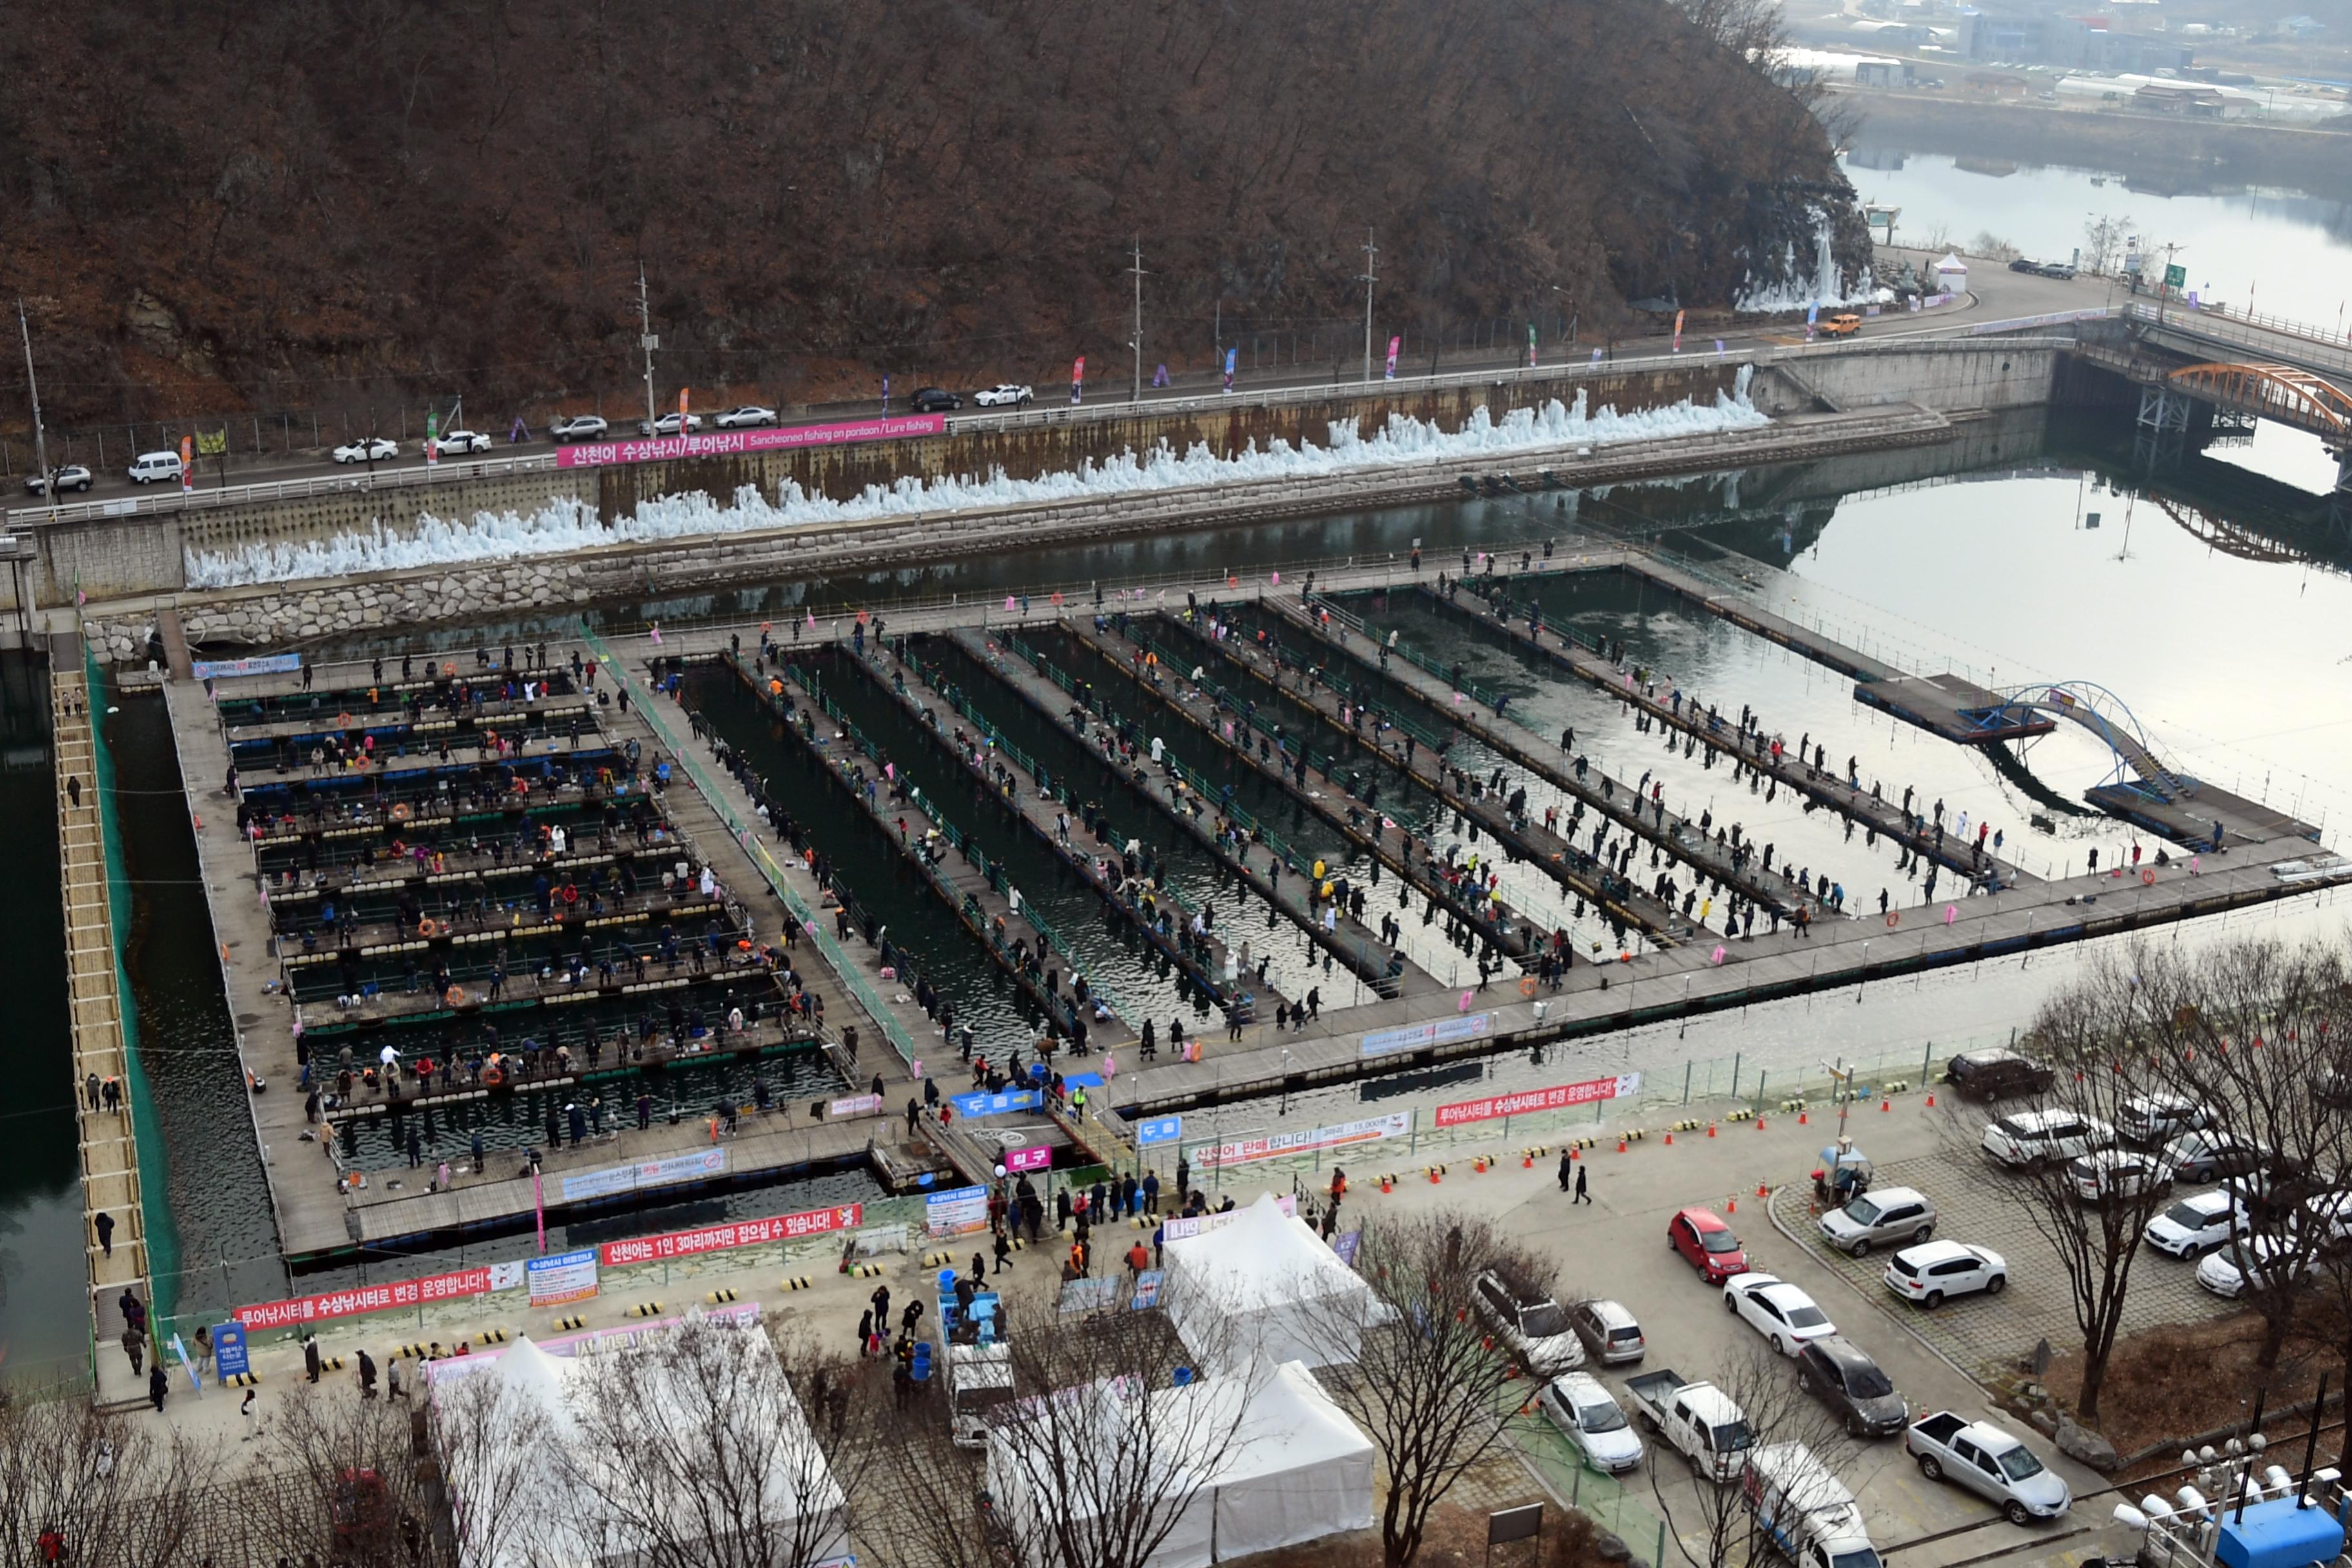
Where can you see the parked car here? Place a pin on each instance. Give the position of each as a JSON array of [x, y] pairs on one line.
[[750, 416], [1843, 325], [2038, 1137], [2152, 1119], [669, 423], [934, 400], [1534, 1329], [1611, 1336], [150, 466], [1990, 1462], [1785, 1315], [578, 428], [1706, 1244], [1997, 1074], [1580, 1407], [465, 441], [368, 449], [1698, 1421], [2024, 264], [2328, 1215], [2106, 1174], [1881, 1214], [1002, 396], [2208, 1155], [1841, 1375], [72, 476], [1803, 1509], [1933, 1270], [2196, 1225], [2061, 271], [2249, 1262]]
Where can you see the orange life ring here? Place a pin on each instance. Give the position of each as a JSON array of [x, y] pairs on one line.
[[400, 812], [493, 1076], [455, 996], [342, 720], [425, 927], [571, 893], [2148, 877], [449, 667], [1528, 985], [765, 628], [1893, 918]]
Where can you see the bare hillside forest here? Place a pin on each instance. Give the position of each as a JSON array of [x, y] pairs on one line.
[[221, 206]]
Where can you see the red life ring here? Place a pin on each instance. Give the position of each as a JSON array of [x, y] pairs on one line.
[[2148, 877], [493, 1076], [1893, 918]]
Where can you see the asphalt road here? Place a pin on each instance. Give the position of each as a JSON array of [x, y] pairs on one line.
[[2000, 293]]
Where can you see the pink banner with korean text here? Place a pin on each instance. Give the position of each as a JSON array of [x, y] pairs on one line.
[[734, 442]]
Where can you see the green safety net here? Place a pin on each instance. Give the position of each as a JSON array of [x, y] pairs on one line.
[[147, 1130]]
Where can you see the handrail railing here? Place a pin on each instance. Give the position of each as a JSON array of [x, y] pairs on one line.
[[811, 927]]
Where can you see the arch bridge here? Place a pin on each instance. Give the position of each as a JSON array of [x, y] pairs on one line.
[[2279, 392], [2101, 712]]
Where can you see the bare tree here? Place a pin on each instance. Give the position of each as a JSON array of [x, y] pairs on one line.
[[703, 1454], [343, 1484], [1713, 1522], [2103, 239], [111, 1491], [2095, 1036], [1428, 1387], [492, 1443], [1094, 1462]]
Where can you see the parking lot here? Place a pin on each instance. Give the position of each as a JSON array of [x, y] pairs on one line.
[[1615, 1247]]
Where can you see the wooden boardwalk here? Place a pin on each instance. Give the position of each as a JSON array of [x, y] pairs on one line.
[[108, 1147]]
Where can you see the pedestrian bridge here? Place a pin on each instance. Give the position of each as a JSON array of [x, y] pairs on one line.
[[2280, 392], [2101, 712]]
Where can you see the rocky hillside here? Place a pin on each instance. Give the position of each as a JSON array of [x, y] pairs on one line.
[[218, 205]]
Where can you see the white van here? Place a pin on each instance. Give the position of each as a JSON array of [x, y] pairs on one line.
[[153, 465], [1806, 1511]]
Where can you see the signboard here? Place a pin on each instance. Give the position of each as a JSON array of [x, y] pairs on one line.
[[1413, 1036], [997, 1104], [1177, 1229], [1090, 1295], [332, 1304], [1147, 1289], [854, 1105], [1159, 1129], [646, 1173], [957, 1213], [228, 1351], [261, 664], [1344, 1245], [2176, 276], [1523, 1102], [1273, 1146], [1034, 1157], [561, 1276], [732, 1234], [729, 443], [213, 446]]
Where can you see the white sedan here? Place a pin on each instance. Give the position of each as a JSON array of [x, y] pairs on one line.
[[465, 441], [374, 449], [667, 423], [1004, 395], [2196, 1225], [2249, 1263], [744, 418], [1782, 1313]]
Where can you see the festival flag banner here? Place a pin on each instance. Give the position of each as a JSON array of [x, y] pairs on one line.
[[432, 439], [1531, 345], [187, 463], [1394, 344], [1231, 355], [1273, 1146], [1524, 1102], [1678, 331], [1078, 377]]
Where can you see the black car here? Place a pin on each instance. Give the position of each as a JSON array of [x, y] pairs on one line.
[[935, 400], [1841, 1375], [2024, 264], [1997, 1074]]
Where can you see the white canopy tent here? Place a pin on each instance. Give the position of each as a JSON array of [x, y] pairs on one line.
[[576, 1524], [1261, 1458], [1952, 273], [1264, 1285]]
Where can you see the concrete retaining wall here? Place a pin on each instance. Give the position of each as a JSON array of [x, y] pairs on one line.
[[1975, 373]]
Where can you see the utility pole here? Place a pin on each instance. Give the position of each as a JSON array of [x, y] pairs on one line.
[[40, 442], [1137, 395], [648, 342], [1372, 269]]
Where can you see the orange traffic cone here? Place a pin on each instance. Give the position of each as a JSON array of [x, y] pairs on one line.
[[1763, 1191], [1804, 1118], [1710, 1128], [1931, 1101], [1527, 1162], [1621, 1145], [1886, 1105], [1433, 1175], [1731, 1205], [1670, 1140], [1574, 1153], [1760, 1124]]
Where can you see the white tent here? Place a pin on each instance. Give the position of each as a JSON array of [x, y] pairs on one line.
[[1261, 1458], [577, 1524], [1264, 1285], [1952, 273]]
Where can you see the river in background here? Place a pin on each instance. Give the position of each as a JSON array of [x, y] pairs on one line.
[[2279, 252]]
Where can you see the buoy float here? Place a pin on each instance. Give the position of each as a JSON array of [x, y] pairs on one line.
[[1527, 987], [1893, 918], [425, 927], [2148, 877], [400, 812], [493, 1076]]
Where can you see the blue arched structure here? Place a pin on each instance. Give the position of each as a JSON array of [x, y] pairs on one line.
[[2105, 715]]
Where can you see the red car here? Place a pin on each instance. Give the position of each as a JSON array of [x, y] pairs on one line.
[[1702, 1238]]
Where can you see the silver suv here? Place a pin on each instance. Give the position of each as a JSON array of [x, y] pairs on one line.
[[578, 428], [1902, 1215]]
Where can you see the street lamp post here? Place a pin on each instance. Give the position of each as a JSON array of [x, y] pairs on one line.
[[1371, 273]]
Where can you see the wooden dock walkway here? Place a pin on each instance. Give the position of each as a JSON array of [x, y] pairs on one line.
[[106, 1143]]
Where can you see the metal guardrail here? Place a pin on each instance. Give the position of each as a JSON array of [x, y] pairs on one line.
[[267, 490], [2311, 346]]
